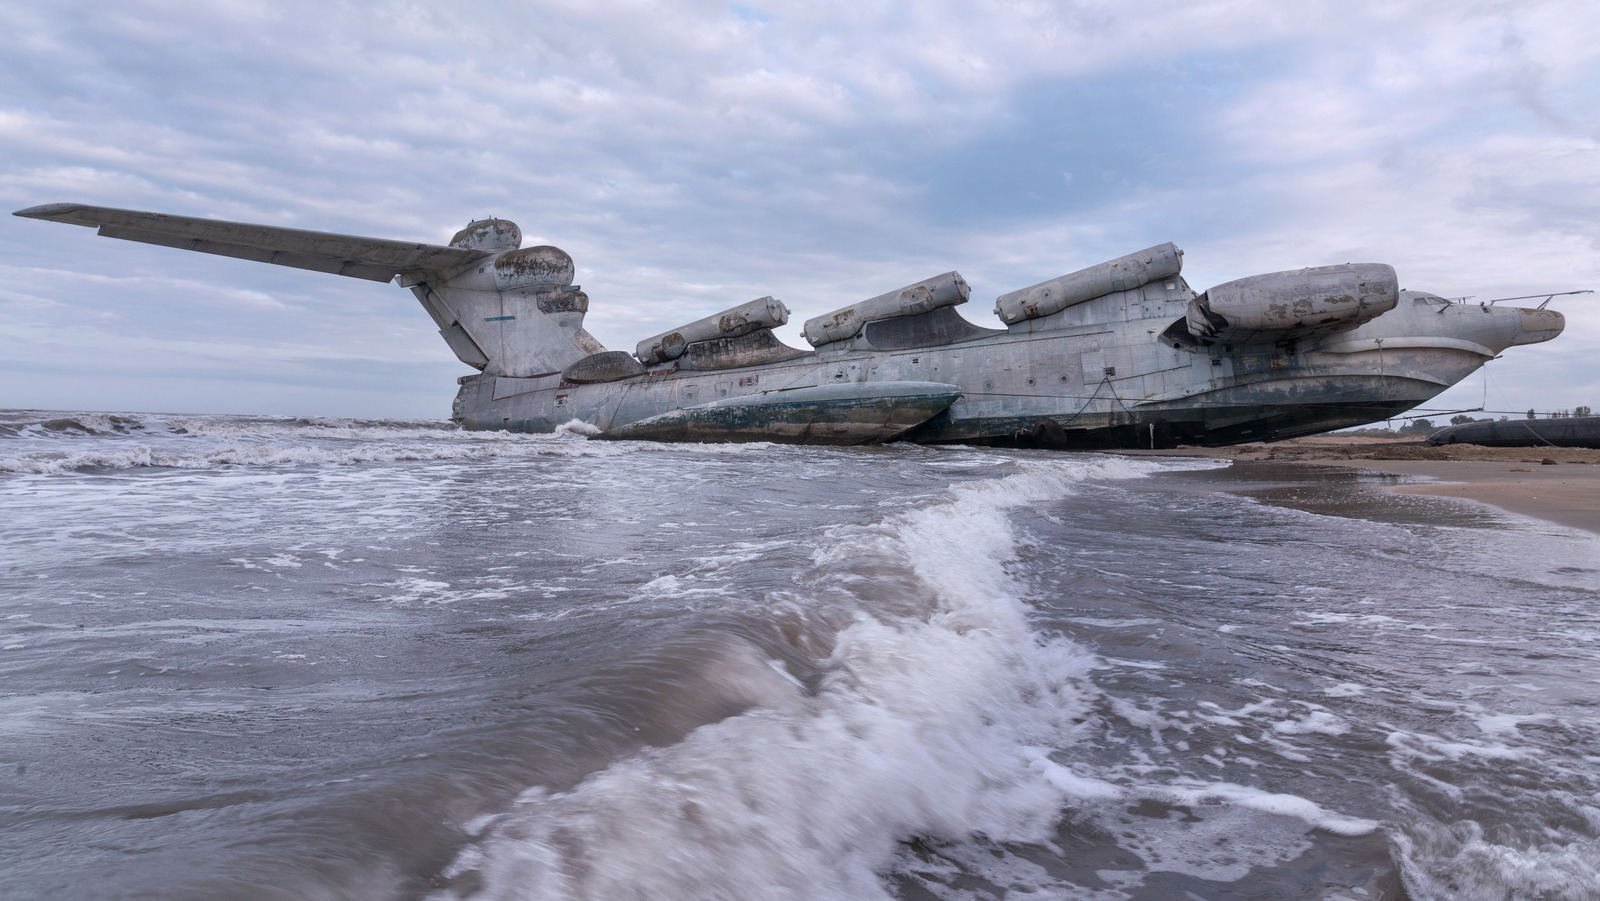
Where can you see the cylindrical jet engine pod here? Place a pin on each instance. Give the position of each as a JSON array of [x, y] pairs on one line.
[[945, 290], [763, 312], [1122, 274], [488, 234], [1291, 306], [543, 266]]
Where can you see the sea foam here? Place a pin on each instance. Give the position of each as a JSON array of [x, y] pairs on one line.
[[924, 724]]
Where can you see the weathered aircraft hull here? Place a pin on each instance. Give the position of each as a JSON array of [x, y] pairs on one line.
[[1121, 354], [1052, 389]]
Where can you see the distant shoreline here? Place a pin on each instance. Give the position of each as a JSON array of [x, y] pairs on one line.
[[1516, 479]]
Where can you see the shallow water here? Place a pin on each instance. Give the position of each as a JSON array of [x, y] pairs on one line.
[[275, 658]]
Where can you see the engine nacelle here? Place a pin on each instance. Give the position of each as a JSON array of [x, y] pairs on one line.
[[761, 313], [945, 290], [1121, 274], [1293, 306]]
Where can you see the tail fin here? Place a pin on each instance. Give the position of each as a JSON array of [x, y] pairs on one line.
[[517, 315]]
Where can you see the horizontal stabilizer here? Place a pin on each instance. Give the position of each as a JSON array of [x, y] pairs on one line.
[[371, 258]]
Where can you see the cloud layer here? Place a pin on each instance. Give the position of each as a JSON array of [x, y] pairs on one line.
[[695, 155]]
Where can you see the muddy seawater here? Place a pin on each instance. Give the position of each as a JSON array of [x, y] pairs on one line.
[[265, 658]]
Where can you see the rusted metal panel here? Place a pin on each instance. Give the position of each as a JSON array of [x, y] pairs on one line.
[[562, 300], [606, 366], [754, 349], [493, 235], [542, 267]]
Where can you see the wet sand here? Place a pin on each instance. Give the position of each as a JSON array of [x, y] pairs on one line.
[[1560, 485]]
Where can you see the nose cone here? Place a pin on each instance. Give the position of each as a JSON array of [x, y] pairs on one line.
[[1493, 328], [1538, 325]]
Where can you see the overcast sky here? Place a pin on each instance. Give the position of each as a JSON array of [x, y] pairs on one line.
[[691, 156]]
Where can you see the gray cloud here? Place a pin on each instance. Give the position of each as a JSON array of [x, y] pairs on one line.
[[691, 156]]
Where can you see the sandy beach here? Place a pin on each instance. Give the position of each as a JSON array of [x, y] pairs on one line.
[[1560, 485]]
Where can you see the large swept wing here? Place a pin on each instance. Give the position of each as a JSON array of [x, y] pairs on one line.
[[372, 258]]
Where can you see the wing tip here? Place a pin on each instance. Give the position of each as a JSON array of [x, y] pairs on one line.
[[57, 211]]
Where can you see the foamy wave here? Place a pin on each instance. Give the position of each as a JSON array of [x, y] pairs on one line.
[[1461, 862], [45, 443], [344, 429], [64, 425], [924, 725], [137, 456], [578, 427], [1276, 803], [935, 719]]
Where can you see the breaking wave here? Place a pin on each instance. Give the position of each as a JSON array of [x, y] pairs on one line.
[[927, 722]]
